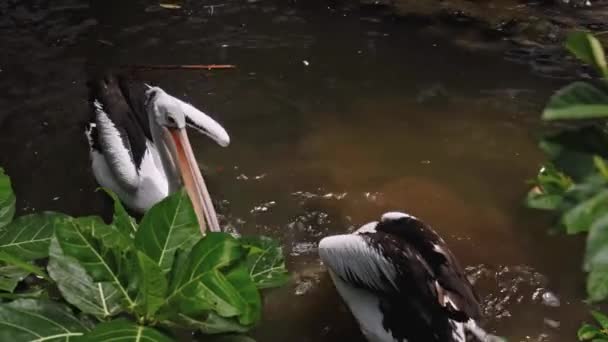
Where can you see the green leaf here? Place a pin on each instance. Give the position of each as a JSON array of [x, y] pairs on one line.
[[587, 332], [581, 217], [207, 324], [38, 320], [123, 330], [596, 254], [600, 318], [31, 294], [101, 299], [168, 226], [200, 287], [10, 277], [597, 284], [121, 219], [28, 237], [587, 48], [7, 199], [152, 286], [12, 260], [101, 250], [265, 262], [577, 101], [601, 166], [249, 295]]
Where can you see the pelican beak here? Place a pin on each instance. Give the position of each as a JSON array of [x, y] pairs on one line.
[[205, 124], [193, 180]]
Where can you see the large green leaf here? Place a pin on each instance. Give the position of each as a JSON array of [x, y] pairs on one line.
[[13, 270], [207, 324], [10, 277], [28, 237], [213, 279], [596, 254], [102, 251], [38, 320], [152, 286], [122, 220], [265, 262], [170, 225], [250, 300], [597, 284], [579, 100], [586, 47], [101, 299], [581, 217], [600, 318], [588, 332], [12, 260], [7, 199], [123, 330]]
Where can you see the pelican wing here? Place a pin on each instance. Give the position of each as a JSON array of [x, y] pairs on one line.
[[118, 135], [453, 289], [398, 276]]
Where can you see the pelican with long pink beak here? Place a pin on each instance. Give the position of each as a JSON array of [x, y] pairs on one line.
[[140, 148]]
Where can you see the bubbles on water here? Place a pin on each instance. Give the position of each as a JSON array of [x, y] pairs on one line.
[[300, 248], [373, 196], [306, 195], [310, 222], [262, 208], [516, 285]]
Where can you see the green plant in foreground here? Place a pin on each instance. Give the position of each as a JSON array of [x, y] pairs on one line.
[[574, 183], [590, 332], [125, 280]]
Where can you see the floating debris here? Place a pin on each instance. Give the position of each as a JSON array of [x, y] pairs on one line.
[[170, 6], [552, 323], [550, 299]]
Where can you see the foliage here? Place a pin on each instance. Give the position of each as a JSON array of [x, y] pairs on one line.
[[588, 332], [129, 278], [574, 183]]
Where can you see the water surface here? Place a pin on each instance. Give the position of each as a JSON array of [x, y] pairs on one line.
[[335, 116]]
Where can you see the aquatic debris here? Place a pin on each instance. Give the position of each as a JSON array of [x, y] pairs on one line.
[[181, 66], [262, 208], [244, 177], [170, 6], [552, 323], [305, 62]]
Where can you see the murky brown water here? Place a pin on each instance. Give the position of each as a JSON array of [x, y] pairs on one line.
[[335, 116]]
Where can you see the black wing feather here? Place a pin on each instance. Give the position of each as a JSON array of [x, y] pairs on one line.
[[119, 103]]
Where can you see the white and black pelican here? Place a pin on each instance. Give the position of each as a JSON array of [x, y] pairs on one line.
[[139, 146], [402, 283]]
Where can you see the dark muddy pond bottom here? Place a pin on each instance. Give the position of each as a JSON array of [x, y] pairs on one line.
[[335, 116]]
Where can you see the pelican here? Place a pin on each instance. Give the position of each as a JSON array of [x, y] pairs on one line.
[[402, 283], [139, 147]]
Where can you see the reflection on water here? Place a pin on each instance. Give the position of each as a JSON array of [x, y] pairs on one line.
[[336, 116]]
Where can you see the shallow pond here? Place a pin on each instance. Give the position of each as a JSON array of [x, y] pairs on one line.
[[336, 115]]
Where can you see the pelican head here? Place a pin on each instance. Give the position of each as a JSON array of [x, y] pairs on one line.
[[169, 117]]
